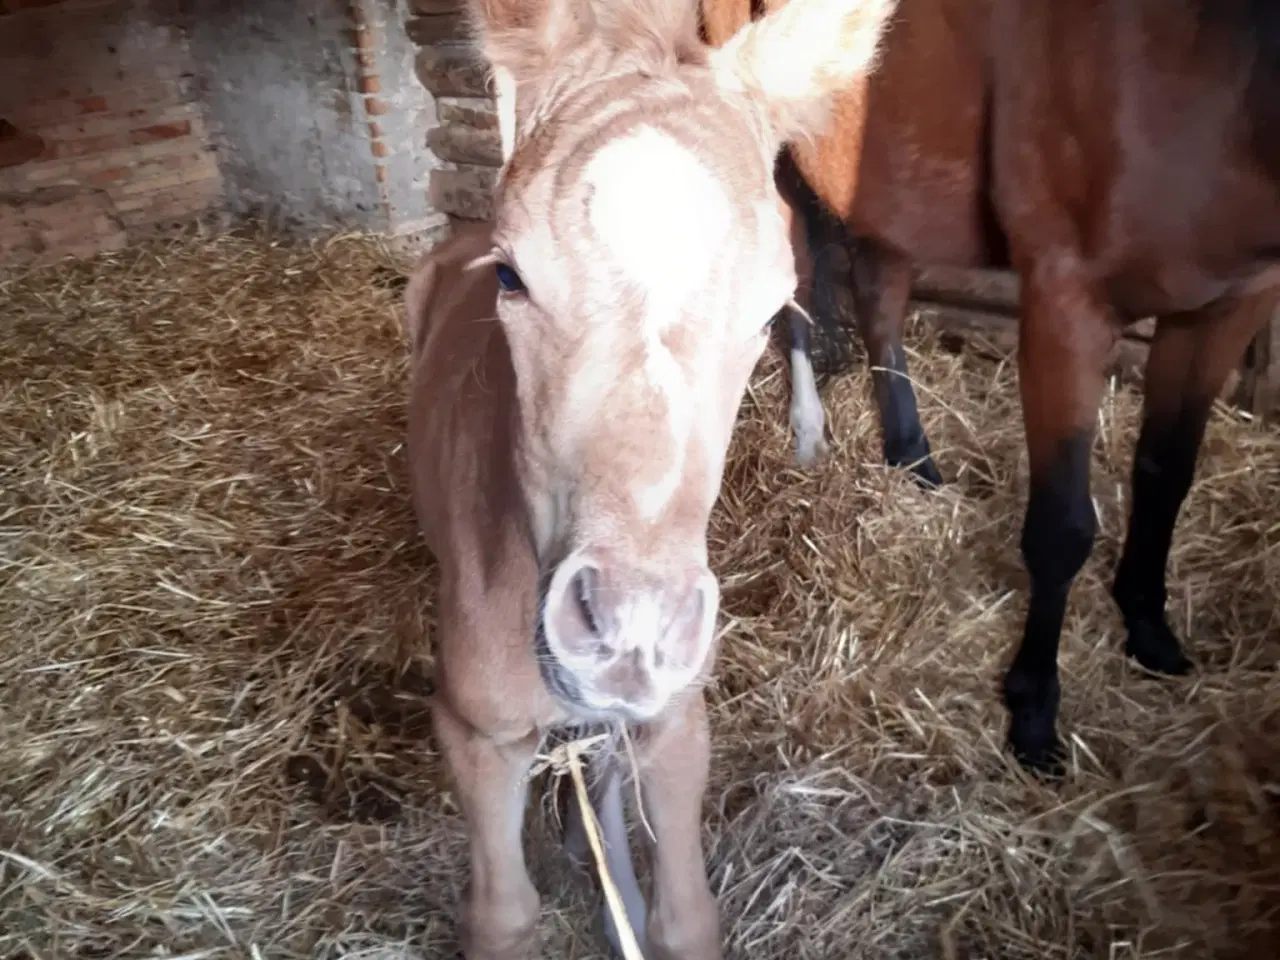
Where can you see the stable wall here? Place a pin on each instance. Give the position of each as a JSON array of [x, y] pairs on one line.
[[121, 117], [314, 111], [100, 140]]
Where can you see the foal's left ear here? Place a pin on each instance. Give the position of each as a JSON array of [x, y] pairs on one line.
[[793, 61]]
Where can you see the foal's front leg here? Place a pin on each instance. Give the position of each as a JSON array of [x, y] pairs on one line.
[[501, 904], [675, 758]]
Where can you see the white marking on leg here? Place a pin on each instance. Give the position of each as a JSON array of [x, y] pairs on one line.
[[808, 419]]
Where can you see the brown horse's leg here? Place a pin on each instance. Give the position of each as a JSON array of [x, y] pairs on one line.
[[501, 905], [1065, 337], [1191, 357], [882, 283], [684, 922]]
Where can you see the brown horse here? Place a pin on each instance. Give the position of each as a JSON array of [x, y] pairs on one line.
[[902, 169], [1136, 160], [1131, 151], [577, 367]]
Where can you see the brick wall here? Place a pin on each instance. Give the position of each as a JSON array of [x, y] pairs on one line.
[[121, 117], [100, 138], [466, 138]]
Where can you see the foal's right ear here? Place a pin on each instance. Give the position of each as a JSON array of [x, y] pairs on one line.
[[793, 61], [522, 41]]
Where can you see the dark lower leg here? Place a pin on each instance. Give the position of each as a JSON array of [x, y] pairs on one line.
[[882, 284], [1063, 343], [1164, 465], [1057, 537]]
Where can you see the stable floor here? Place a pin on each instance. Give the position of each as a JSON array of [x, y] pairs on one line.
[[216, 625]]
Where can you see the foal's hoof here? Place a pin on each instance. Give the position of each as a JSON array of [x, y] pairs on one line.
[[1155, 647], [811, 451]]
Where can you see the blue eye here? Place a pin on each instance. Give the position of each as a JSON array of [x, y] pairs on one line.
[[508, 279]]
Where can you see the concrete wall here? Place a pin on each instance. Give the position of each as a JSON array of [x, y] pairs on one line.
[[402, 116], [277, 82], [118, 116]]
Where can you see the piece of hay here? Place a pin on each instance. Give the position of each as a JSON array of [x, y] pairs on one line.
[[566, 758]]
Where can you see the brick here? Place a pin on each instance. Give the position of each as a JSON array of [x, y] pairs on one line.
[[439, 28], [369, 84], [161, 131], [465, 192], [161, 148], [144, 94], [92, 104], [429, 7], [361, 39], [478, 113], [89, 145], [452, 72], [110, 175], [149, 184], [375, 129], [379, 148], [82, 127], [462, 144], [375, 107], [380, 173], [39, 114]]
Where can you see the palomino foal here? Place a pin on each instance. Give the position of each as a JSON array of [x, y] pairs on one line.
[[576, 371]]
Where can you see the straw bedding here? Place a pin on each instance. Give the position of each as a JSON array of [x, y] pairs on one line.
[[216, 617]]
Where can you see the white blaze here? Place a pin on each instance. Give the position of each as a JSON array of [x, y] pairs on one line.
[[662, 220]]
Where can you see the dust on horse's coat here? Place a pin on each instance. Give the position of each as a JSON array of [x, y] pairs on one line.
[[1126, 153], [577, 369]]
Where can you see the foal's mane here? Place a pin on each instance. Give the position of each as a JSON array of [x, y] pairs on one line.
[[654, 36]]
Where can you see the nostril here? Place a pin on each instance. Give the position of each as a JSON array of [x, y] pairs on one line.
[[586, 583]]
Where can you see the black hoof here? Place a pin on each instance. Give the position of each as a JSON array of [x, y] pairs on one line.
[[1155, 647], [919, 461], [1037, 754], [1033, 712], [926, 474]]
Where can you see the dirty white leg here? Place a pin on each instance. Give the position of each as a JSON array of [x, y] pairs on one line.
[[808, 419], [500, 907], [606, 800], [675, 757]]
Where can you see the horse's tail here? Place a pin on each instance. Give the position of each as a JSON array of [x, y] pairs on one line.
[[831, 248]]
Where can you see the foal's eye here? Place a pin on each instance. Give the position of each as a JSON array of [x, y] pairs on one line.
[[508, 279]]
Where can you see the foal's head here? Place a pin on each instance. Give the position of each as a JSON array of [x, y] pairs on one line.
[[641, 255]]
